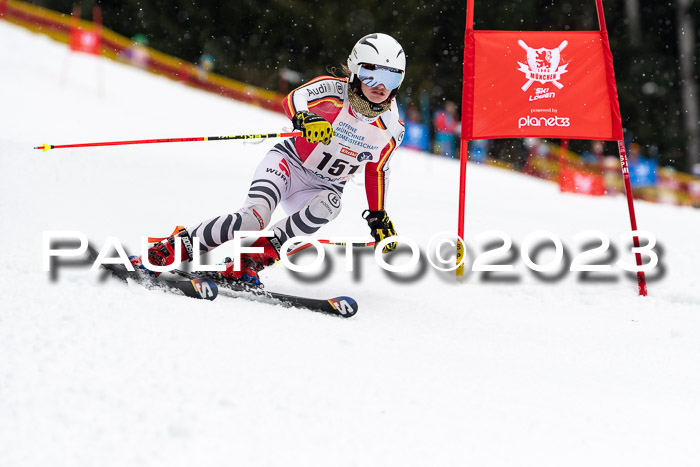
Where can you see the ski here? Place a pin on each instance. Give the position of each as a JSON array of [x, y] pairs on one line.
[[200, 288], [208, 285], [344, 307]]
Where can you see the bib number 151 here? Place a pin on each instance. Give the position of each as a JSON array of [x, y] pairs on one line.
[[338, 166]]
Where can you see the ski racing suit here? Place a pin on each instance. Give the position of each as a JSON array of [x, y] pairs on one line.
[[308, 178]]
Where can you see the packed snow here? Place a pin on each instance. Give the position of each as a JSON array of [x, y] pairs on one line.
[[431, 371]]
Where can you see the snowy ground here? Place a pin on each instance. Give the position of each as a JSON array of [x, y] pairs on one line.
[[430, 371]]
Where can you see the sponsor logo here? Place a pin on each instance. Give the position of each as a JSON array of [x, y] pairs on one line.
[[329, 179], [278, 173], [323, 88], [365, 156], [543, 121], [259, 218], [188, 244], [284, 178], [623, 157], [542, 93], [203, 289], [543, 65], [339, 88], [275, 242], [400, 138], [334, 200], [348, 152], [343, 307], [284, 167], [583, 183]]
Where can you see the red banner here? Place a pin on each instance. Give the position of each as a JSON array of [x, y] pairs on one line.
[[85, 41], [572, 180], [554, 84], [540, 84], [82, 39]]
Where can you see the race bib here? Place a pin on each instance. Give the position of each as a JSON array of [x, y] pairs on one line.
[[354, 144]]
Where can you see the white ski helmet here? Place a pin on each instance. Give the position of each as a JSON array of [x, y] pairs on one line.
[[382, 51]]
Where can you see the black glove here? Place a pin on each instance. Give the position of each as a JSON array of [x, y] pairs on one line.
[[315, 128], [381, 228]]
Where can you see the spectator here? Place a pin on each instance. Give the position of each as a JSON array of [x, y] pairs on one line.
[[137, 53], [611, 175], [694, 187], [594, 157], [446, 126], [642, 170], [479, 150], [205, 66], [417, 133]]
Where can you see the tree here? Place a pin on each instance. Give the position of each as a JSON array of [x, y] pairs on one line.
[[689, 87], [634, 24]]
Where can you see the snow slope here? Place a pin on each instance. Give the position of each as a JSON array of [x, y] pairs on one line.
[[430, 371]]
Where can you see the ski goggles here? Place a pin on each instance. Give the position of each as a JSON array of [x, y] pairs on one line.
[[374, 75]]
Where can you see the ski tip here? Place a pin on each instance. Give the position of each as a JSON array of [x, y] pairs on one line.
[[45, 147], [345, 307], [205, 289]]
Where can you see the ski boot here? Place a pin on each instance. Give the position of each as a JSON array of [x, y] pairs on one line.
[[253, 263], [162, 253]]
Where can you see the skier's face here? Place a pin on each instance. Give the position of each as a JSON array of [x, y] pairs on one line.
[[376, 94]]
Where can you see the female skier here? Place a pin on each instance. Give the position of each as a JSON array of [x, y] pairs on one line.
[[347, 124]]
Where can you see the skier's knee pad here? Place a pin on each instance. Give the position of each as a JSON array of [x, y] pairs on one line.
[[325, 205]]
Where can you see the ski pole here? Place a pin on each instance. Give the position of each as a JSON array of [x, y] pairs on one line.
[[46, 147]]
